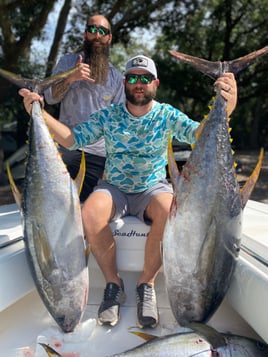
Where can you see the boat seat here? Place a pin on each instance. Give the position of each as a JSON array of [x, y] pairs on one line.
[[130, 235]]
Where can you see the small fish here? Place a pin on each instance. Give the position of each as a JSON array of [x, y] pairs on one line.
[[202, 341], [52, 223], [202, 236]]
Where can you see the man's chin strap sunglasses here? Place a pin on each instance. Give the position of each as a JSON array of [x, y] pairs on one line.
[[144, 78], [93, 29]]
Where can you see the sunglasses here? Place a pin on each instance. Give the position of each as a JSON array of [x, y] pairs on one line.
[[144, 78], [93, 29]]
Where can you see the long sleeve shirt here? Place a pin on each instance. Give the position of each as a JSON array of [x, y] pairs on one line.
[[136, 146]]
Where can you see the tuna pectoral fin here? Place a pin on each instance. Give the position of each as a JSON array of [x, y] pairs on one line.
[[250, 184], [44, 253], [212, 336], [172, 166], [81, 174], [16, 193]]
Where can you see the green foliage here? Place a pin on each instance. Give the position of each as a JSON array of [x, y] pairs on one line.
[[211, 29], [217, 30]]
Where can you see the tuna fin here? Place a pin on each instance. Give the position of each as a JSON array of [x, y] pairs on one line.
[[212, 336], [241, 63], [35, 84], [211, 69], [250, 184], [49, 81], [16, 193], [47, 263], [172, 166], [215, 69], [87, 253], [203, 121], [79, 180], [49, 350], [145, 336]]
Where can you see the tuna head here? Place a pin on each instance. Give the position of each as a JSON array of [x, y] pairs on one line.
[[202, 235]]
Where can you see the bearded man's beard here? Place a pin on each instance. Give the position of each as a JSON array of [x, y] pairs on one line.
[[98, 59], [140, 102]]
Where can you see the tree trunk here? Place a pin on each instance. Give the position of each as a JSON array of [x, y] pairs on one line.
[[62, 21]]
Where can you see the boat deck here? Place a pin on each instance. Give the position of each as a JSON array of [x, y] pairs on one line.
[[25, 321]]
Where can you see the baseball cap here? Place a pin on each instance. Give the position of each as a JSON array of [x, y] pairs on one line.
[[141, 62]]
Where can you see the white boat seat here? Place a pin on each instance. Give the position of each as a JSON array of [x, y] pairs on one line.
[[130, 235]]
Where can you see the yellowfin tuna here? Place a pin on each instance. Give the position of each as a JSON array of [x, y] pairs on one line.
[[202, 236], [53, 230]]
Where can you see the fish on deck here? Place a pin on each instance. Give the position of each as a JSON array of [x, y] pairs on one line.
[[201, 341], [52, 222], [202, 236]]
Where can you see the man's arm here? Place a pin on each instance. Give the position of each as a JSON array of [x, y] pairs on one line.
[[61, 133], [60, 89]]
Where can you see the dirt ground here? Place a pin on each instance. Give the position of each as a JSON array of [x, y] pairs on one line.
[[247, 159]]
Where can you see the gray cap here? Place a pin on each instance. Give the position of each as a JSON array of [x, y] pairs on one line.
[[141, 62]]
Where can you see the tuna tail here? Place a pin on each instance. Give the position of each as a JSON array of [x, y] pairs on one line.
[[250, 184], [35, 85], [215, 69]]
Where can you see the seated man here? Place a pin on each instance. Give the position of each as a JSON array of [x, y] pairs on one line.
[[136, 137]]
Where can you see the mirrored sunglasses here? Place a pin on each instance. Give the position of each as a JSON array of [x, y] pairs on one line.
[[93, 29], [144, 78]]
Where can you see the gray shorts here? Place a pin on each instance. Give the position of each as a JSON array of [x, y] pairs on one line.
[[132, 204]]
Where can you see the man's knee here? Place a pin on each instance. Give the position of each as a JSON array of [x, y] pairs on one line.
[[97, 207], [159, 206]]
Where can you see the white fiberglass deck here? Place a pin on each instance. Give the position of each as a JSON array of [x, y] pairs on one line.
[[24, 319]]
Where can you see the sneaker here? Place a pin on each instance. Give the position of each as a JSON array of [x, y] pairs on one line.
[[146, 306], [109, 309]]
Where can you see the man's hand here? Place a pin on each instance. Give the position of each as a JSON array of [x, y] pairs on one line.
[[83, 72], [28, 99], [228, 90]]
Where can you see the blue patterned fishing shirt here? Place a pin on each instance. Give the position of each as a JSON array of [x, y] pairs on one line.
[[136, 146]]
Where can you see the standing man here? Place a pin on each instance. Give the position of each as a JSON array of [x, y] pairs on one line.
[[136, 136], [95, 85]]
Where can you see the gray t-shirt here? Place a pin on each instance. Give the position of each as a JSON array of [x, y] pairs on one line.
[[84, 98]]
